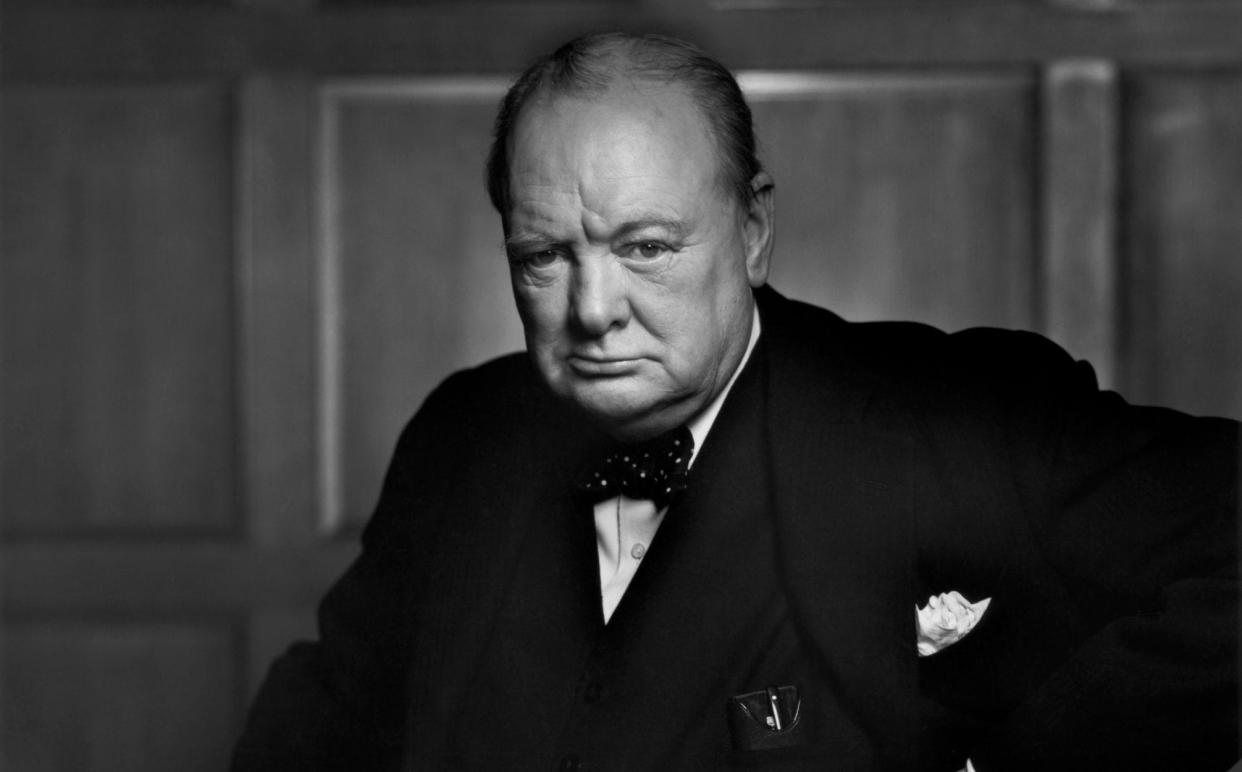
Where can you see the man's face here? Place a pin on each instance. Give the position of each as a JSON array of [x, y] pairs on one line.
[[632, 264]]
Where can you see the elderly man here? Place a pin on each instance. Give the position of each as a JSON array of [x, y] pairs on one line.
[[703, 526]]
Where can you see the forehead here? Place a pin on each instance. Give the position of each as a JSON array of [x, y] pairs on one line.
[[630, 130]]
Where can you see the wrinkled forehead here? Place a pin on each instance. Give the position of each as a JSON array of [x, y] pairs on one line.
[[659, 118]]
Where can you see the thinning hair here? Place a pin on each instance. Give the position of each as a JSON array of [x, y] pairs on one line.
[[593, 63]]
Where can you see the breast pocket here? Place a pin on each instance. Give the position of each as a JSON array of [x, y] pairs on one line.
[[766, 720]]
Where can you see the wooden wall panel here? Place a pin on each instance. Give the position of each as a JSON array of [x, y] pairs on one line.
[[902, 196], [116, 309], [1078, 208], [277, 308], [127, 697], [415, 278], [1182, 264], [434, 36]]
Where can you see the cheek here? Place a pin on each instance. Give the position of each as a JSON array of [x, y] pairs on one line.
[[689, 336], [541, 314], [700, 336]]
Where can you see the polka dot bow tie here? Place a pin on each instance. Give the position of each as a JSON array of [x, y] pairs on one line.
[[655, 470]]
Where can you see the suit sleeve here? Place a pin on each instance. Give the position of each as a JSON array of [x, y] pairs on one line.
[[339, 703], [1138, 507]]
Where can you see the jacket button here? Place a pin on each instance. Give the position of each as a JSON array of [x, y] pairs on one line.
[[570, 763], [592, 692]]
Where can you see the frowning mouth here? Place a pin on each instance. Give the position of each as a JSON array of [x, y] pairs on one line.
[[600, 367]]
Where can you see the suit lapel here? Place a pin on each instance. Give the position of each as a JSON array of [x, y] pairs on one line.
[[528, 473], [843, 513]]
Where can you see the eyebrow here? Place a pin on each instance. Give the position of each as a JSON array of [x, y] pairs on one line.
[[525, 239], [676, 228]]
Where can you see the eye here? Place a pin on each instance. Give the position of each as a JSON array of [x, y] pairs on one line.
[[542, 258], [648, 250], [534, 258]]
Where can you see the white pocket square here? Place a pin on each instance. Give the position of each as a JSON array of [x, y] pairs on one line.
[[946, 619]]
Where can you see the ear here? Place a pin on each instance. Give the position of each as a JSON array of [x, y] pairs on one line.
[[760, 228]]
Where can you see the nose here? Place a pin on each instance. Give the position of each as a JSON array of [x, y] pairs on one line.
[[599, 302]]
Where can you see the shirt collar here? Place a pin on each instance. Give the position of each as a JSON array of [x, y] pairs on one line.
[[701, 424]]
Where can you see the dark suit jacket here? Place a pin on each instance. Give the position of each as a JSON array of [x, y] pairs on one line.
[[904, 462]]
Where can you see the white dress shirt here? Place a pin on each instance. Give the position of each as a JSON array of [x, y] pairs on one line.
[[625, 527]]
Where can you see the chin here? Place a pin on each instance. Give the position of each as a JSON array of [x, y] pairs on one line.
[[612, 405], [627, 417], [620, 411]]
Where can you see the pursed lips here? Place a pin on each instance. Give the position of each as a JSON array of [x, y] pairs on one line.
[[601, 367]]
